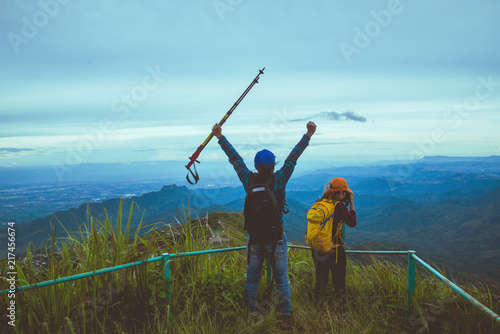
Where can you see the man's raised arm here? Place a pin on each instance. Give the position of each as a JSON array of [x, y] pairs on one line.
[[234, 158], [286, 171]]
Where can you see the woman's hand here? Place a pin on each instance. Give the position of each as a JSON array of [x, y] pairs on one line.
[[217, 131], [351, 201]]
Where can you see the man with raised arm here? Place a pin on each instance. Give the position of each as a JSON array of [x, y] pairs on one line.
[[259, 250]]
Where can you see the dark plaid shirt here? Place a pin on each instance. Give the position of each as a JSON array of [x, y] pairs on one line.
[[281, 177]]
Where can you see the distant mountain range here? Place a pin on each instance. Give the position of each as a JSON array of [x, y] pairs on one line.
[[427, 175], [447, 209], [159, 206]]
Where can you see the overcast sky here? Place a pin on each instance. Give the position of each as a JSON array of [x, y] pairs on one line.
[[123, 81]]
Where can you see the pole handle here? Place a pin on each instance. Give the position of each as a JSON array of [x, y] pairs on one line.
[[194, 174]]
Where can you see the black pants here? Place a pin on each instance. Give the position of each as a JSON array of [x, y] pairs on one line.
[[324, 263]]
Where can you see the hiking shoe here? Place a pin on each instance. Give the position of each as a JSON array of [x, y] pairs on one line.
[[285, 322]]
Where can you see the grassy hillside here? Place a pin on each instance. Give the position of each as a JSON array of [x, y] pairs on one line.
[[207, 291]]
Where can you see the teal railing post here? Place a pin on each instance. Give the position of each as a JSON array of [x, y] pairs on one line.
[[410, 280], [166, 273]]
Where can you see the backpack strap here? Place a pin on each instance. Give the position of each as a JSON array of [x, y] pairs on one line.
[[269, 183], [250, 181], [337, 237], [323, 224], [330, 217]]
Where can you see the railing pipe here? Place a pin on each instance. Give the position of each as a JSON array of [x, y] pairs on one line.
[[461, 292], [84, 275], [210, 251], [357, 251], [377, 252]]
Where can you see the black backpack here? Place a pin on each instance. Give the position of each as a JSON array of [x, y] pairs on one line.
[[262, 214]]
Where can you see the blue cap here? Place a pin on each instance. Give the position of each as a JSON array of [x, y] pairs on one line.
[[265, 157]]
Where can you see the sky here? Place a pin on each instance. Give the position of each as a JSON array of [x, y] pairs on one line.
[[144, 81]]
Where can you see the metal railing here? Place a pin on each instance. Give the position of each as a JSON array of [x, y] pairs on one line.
[[166, 258]]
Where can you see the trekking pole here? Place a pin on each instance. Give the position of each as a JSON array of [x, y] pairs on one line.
[[194, 157]]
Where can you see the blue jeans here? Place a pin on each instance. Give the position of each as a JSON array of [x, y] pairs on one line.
[[258, 253]]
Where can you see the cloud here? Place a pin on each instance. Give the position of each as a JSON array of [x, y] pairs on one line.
[[14, 150], [347, 115], [351, 115]]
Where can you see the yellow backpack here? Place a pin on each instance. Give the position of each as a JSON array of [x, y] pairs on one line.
[[320, 224]]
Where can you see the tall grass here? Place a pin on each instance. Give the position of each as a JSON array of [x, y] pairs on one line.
[[207, 290]]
